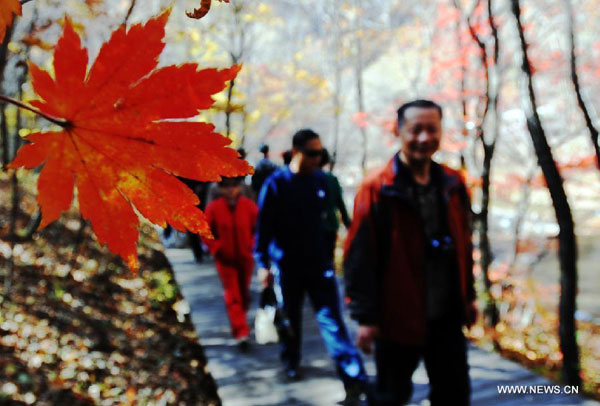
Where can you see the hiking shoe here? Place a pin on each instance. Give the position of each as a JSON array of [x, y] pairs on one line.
[[355, 395]]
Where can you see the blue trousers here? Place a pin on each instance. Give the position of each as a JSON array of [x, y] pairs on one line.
[[291, 285]]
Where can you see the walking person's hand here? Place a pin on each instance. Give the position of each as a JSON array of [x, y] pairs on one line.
[[366, 337], [265, 277]]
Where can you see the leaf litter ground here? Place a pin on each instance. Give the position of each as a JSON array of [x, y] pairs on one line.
[[78, 328]]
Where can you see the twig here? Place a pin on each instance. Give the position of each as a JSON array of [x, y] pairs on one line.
[[33, 225], [594, 133], [57, 121], [131, 7]]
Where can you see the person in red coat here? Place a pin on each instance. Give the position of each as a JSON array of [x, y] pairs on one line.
[[232, 219]]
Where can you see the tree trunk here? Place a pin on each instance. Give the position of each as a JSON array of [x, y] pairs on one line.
[[575, 79], [33, 225], [521, 213], [337, 83], [493, 86], [244, 129], [228, 108], [4, 49], [3, 125], [491, 315], [336, 120], [4, 134], [16, 141], [567, 241], [237, 50], [16, 196], [491, 310], [14, 211]]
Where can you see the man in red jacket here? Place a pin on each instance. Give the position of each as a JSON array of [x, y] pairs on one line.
[[408, 266], [232, 219]]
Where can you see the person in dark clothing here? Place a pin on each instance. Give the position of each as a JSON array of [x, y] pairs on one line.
[[264, 168], [335, 204], [242, 152], [409, 266], [291, 252], [287, 157], [194, 241]]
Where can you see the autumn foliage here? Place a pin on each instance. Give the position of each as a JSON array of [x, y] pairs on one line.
[[198, 13], [123, 140], [7, 9]]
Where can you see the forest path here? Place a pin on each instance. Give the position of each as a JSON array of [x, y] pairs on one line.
[[255, 378]]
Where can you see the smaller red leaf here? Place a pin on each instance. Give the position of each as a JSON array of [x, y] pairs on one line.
[[198, 13]]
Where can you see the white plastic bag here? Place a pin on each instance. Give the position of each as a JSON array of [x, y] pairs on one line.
[[264, 325]]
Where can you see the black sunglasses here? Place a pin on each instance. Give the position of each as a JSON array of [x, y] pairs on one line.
[[313, 153]]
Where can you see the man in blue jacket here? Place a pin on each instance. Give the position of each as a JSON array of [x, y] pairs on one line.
[[291, 251]]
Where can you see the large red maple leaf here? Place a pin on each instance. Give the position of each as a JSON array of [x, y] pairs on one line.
[[7, 9], [120, 145]]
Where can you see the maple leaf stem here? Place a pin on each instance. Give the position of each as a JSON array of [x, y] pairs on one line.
[[57, 121]]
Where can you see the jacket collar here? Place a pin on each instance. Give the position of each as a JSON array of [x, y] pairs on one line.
[[399, 181]]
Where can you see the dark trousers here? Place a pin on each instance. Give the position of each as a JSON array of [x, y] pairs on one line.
[[322, 289], [196, 246], [445, 356]]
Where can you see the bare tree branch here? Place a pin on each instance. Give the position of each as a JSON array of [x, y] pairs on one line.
[[575, 79], [17, 103], [131, 7]]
